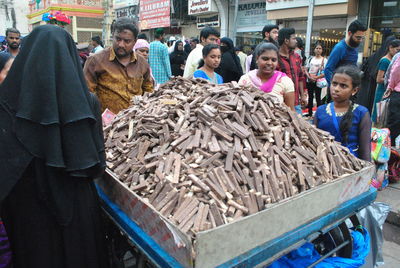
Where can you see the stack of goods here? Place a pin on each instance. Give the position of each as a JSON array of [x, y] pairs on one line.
[[205, 155]]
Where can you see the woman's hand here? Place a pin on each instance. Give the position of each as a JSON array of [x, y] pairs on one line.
[[387, 93], [312, 77], [304, 100]]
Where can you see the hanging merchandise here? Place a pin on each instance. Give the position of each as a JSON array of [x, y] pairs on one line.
[[57, 18]]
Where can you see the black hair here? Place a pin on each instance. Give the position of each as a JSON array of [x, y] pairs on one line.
[[356, 26], [12, 30], [318, 43], [196, 40], [284, 34], [300, 42], [158, 33], [268, 28], [97, 40], [206, 32], [124, 23], [142, 36], [262, 47], [206, 50], [393, 43], [347, 120]]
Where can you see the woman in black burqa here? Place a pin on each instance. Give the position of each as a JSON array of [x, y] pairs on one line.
[[178, 59], [51, 148], [230, 68]]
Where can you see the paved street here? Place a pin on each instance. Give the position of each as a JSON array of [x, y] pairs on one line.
[[391, 229]]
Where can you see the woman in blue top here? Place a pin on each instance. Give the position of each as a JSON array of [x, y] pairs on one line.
[[211, 60], [348, 122]]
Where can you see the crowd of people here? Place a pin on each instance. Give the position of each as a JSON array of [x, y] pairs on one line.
[[51, 143]]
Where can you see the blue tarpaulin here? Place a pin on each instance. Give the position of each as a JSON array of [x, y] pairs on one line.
[[307, 254]]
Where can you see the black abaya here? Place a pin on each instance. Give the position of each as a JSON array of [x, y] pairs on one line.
[[230, 68], [36, 237], [51, 148]]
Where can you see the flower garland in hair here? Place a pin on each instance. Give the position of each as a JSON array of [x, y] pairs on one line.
[[57, 18]]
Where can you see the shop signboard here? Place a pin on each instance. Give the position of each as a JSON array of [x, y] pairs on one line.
[[125, 3], [130, 12], [203, 22], [154, 14], [252, 17], [285, 4], [196, 7]]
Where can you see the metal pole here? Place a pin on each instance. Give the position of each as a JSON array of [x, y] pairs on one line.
[[309, 27], [235, 24]]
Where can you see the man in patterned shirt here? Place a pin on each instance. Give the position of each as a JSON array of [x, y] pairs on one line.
[[117, 74], [159, 58]]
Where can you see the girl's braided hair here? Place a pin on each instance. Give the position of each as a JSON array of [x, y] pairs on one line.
[[347, 119]]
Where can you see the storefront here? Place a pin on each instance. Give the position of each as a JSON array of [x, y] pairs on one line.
[[251, 19], [127, 8], [206, 13], [383, 19], [331, 18]]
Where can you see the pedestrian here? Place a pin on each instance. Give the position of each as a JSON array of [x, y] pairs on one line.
[[249, 58], [290, 63], [13, 39], [300, 50], [171, 44], [389, 69], [270, 34], [193, 43], [6, 61], [393, 90], [52, 148], [370, 70], [211, 60], [384, 62], [208, 35], [242, 57], [315, 70], [159, 58], [116, 74], [267, 78], [178, 59], [97, 44], [142, 36], [230, 68], [142, 48], [345, 52], [187, 47], [347, 121]]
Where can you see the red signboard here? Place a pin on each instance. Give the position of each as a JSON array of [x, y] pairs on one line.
[[154, 14]]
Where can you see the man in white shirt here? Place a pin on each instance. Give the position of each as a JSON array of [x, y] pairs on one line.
[[97, 45], [208, 35]]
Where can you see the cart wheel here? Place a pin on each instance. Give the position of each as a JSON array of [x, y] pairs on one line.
[[340, 235], [326, 243]]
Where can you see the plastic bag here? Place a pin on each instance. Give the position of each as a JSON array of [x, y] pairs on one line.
[[380, 145], [307, 254], [372, 218]]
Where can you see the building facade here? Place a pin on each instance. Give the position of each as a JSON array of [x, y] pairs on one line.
[[86, 15], [12, 14], [383, 20]]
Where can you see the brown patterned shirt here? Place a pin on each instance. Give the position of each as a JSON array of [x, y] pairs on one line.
[[116, 84]]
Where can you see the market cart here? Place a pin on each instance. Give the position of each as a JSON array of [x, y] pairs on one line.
[[253, 241]]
